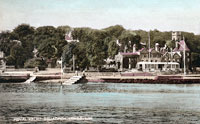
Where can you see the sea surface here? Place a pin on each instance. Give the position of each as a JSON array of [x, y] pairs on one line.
[[99, 103]]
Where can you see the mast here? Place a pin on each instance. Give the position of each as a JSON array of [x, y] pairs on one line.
[[61, 69], [171, 58], [149, 45], [184, 56]]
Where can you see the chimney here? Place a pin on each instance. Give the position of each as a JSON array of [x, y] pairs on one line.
[[176, 44], [118, 43], [157, 47], [125, 49], [134, 48]]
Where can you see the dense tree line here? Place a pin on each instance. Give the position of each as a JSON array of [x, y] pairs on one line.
[[93, 48]]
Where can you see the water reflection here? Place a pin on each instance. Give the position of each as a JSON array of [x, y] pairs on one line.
[[104, 102]]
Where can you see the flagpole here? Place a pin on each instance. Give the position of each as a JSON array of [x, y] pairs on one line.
[[184, 57], [149, 52], [149, 46], [61, 69], [73, 63]]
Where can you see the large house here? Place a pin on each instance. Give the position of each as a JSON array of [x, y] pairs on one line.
[[157, 58]]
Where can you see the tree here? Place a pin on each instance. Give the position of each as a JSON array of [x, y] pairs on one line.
[[50, 41], [159, 40], [80, 54], [17, 56], [68, 53], [113, 49], [83, 34], [170, 44], [129, 38], [5, 42], [24, 33], [36, 62], [95, 54], [65, 28], [114, 31]]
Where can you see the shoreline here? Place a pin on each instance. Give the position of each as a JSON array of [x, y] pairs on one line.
[[54, 76]]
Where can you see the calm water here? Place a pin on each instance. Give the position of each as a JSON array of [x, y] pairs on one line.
[[100, 103]]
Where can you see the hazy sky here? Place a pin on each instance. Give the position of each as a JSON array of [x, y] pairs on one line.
[[164, 15]]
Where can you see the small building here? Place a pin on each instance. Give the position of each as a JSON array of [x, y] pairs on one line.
[[126, 61], [69, 38], [160, 66]]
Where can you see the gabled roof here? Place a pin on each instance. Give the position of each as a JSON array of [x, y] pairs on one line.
[[177, 54], [151, 50], [67, 37], [175, 49], [141, 49], [182, 44]]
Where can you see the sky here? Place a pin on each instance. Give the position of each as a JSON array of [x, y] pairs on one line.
[[164, 15]]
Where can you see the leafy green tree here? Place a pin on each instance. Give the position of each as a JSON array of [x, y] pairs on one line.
[[113, 49], [129, 38], [21, 32], [65, 28], [95, 54], [114, 31], [43, 34], [21, 50], [80, 54], [68, 53], [36, 62], [5, 42], [195, 59], [17, 55], [170, 44], [83, 34], [47, 49], [50, 41], [10, 60], [159, 40]]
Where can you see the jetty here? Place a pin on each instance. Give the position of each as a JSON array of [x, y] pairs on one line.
[[75, 80], [14, 78], [31, 79], [164, 79], [143, 78]]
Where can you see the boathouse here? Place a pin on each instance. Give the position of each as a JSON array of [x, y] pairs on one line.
[[158, 66], [126, 61]]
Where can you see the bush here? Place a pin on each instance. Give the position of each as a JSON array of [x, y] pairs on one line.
[[10, 60], [36, 62]]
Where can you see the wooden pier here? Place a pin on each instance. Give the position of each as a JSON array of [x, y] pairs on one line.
[[74, 80]]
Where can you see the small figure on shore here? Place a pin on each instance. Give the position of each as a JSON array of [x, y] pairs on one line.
[[36, 69], [84, 73]]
